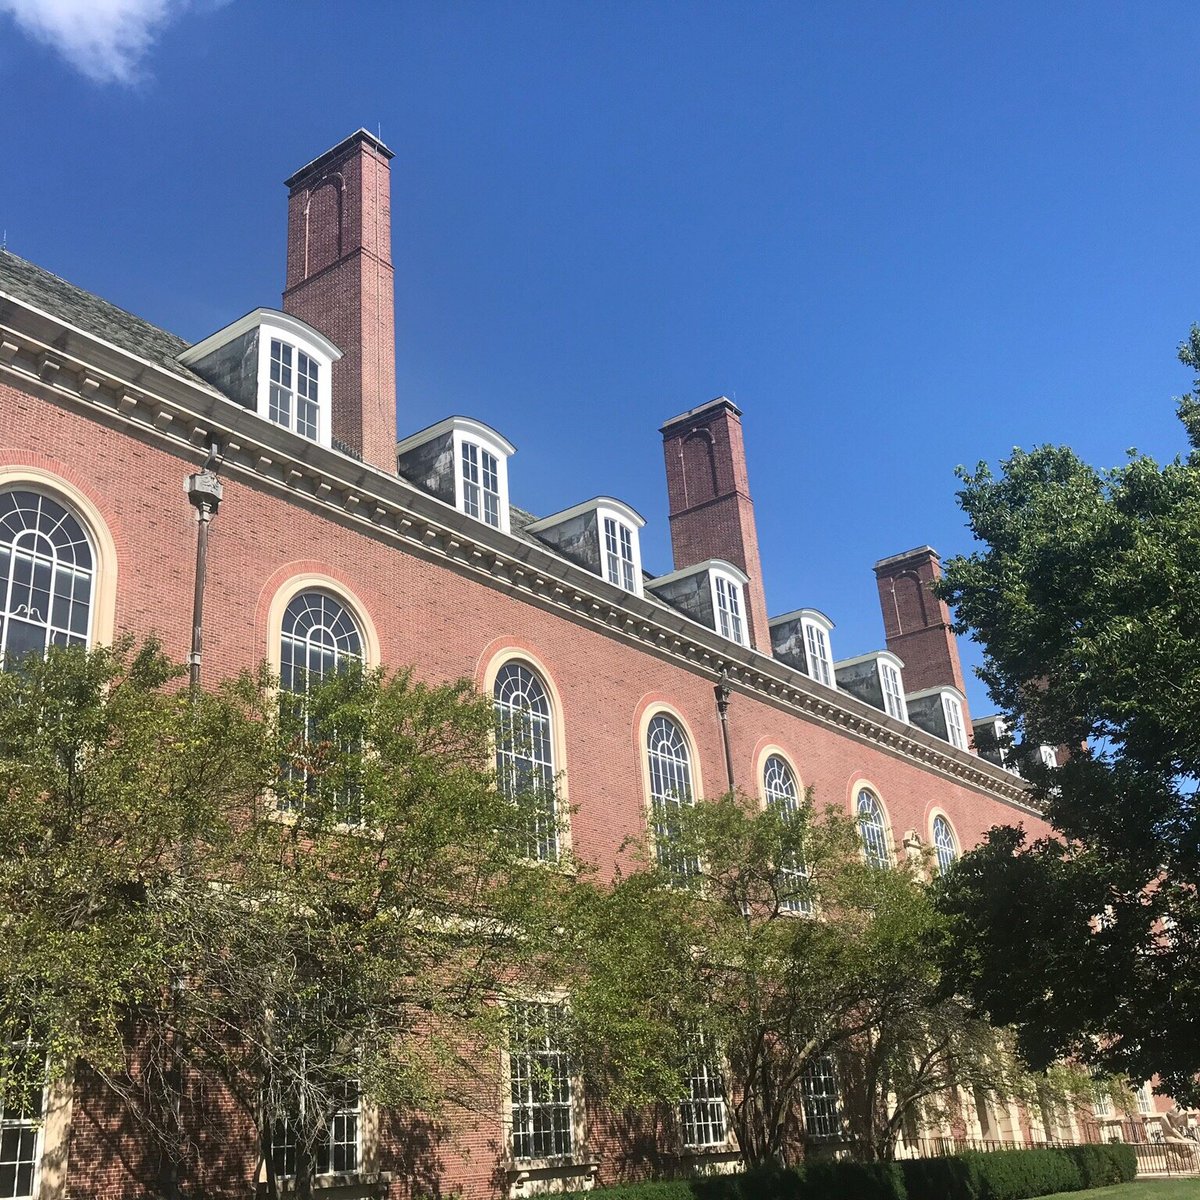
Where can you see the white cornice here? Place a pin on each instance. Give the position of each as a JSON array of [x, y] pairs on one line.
[[467, 425], [719, 565], [302, 331], [874, 656], [47, 357], [618, 508]]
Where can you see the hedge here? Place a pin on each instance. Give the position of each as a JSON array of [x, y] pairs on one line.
[[972, 1175]]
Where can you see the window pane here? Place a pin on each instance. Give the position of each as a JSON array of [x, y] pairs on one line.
[[702, 1113], [540, 1083], [944, 844], [873, 830], [524, 758], [46, 575], [779, 789], [670, 788], [819, 1093]]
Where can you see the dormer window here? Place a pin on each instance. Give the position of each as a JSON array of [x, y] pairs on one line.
[[801, 639], [619, 563], [600, 535], [294, 400], [816, 648], [480, 484], [893, 691], [463, 463], [956, 733], [940, 710], [728, 595], [712, 592], [275, 365]]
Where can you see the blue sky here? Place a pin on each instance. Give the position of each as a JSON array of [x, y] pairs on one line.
[[901, 237]]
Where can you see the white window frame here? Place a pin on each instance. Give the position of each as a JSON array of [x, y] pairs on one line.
[[945, 855], [1145, 1100], [25, 1124], [893, 700], [273, 325], [619, 552], [1102, 1104], [816, 632], [821, 1107], [487, 442], [956, 728], [705, 1090], [884, 859], [602, 509], [354, 1111], [578, 1127], [781, 787], [729, 606], [302, 340]]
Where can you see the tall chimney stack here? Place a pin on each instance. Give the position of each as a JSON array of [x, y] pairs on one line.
[[708, 490], [917, 623], [339, 280]]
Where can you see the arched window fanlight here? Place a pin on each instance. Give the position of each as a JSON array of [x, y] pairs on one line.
[[945, 844], [525, 752], [872, 828], [670, 765], [47, 576], [318, 637]]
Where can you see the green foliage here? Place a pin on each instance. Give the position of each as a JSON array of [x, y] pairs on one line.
[[111, 779], [1000, 1175], [297, 898], [731, 954], [1083, 595]]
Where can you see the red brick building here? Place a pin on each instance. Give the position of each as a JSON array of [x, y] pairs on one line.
[[335, 538]]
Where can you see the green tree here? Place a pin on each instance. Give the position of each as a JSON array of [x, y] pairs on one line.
[[1083, 595], [113, 782], [785, 948], [294, 901]]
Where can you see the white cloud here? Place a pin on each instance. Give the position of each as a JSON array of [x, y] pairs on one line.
[[106, 40]]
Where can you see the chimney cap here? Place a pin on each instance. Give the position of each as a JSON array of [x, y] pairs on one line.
[[319, 163], [921, 553], [718, 402]]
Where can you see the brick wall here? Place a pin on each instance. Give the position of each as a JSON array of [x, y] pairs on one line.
[[448, 625]]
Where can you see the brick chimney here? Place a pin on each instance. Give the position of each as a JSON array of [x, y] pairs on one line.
[[339, 280], [917, 623], [708, 489]]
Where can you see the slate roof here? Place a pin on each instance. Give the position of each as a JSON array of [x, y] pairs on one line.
[[31, 284]]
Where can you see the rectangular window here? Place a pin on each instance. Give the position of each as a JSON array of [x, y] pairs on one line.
[[956, 735], [21, 1141], [540, 1083], [339, 1148], [618, 554], [1102, 1103], [818, 1090], [1145, 1099], [729, 610], [481, 484], [281, 383], [819, 665], [702, 1113], [893, 692], [306, 396]]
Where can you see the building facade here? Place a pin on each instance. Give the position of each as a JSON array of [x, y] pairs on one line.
[[335, 537]]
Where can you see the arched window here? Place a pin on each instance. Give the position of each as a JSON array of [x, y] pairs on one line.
[[780, 789], [872, 828], [945, 844], [47, 576], [524, 752], [318, 637], [670, 764]]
